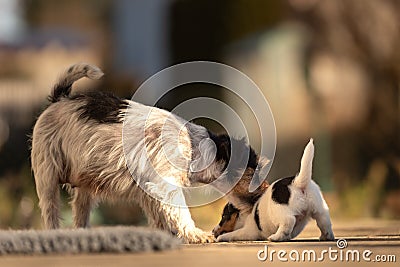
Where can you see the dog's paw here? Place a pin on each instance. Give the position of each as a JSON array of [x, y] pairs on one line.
[[199, 236], [327, 237]]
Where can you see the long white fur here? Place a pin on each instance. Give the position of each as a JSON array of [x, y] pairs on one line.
[[281, 222], [89, 157]]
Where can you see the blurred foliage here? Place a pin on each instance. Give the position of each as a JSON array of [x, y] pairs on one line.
[[367, 34], [202, 29], [17, 200], [68, 13]]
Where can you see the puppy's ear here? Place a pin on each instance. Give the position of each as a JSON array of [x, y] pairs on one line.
[[264, 185], [260, 174], [263, 162]]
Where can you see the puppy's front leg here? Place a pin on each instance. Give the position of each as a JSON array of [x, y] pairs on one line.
[[249, 232], [242, 234], [285, 229]]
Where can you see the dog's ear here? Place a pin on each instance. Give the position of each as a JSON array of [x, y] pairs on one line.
[[223, 145], [207, 154]]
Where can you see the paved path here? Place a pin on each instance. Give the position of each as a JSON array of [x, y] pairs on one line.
[[376, 240]]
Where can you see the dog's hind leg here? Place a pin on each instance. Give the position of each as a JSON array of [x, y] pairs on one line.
[[81, 206], [47, 188], [47, 171], [50, 168]]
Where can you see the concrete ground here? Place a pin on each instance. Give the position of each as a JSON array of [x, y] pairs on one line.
[[376, 242]]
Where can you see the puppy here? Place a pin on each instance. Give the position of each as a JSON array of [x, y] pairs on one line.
[[284, 209], [78, 141]]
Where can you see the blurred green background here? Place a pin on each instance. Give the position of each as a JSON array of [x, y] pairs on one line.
[[330, 69]]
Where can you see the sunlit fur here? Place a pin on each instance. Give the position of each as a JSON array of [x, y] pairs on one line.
[[274, 221], [69, 147]]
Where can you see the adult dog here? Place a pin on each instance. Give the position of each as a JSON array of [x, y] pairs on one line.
[[78, 141]]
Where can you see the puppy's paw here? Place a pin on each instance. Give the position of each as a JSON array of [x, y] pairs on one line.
[[199, 236], [224, 238], [329, 236], [278, 238]]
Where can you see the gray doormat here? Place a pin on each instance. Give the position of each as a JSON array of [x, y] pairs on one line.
[[93, 240]]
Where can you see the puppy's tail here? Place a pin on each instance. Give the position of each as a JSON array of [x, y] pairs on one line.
[[303, 178], [75, 72]]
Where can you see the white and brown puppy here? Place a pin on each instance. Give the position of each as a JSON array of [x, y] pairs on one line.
[[78, 141], [284, 209]]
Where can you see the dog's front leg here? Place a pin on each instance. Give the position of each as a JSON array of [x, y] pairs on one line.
[[176, 214], [186, 229]]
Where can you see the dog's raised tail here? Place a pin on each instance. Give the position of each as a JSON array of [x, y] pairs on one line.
[[303, 178], [72, 74]]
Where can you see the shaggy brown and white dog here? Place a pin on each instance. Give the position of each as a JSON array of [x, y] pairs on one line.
[[106, 148]]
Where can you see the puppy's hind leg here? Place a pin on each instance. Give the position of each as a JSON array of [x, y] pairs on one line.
[[321, 215], [324, 224], [81, 206]]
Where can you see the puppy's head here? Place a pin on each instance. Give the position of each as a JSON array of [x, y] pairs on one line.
[[242, 169], [241, 197], [228, 221]]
